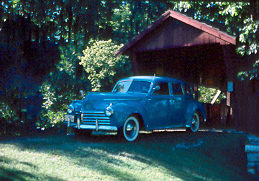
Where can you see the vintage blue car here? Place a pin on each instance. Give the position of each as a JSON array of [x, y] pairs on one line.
[[137, 103]]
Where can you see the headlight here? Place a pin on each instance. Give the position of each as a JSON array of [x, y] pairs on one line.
[[70, 109], [109, 111]]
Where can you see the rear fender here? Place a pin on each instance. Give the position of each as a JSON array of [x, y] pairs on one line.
[[192, 108]]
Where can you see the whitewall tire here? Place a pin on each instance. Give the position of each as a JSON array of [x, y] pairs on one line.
[[130, 129], [195, 124]]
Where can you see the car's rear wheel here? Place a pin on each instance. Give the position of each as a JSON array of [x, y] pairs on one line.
[[195, 123], [130, 129]]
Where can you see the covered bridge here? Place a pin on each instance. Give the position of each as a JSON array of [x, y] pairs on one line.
[[178, 46]]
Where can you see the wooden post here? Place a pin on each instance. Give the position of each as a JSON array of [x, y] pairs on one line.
[[228, 103], [196, 92]]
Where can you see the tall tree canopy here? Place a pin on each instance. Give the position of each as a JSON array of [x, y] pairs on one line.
[[77, 21]]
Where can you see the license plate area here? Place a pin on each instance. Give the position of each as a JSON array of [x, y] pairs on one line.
[[70, 118]]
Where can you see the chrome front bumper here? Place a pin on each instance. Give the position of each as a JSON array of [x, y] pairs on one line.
[[98, 128], [76, 122]]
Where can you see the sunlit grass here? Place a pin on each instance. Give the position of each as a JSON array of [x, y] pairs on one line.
[[158, 156], [79, 161]]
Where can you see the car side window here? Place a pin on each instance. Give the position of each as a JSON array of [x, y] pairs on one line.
[[188, 91], [162, 89], [177, 89]]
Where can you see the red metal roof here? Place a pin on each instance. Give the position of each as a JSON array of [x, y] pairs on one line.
[[185, 19]]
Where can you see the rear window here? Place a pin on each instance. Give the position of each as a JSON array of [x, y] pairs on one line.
[[162, 89], [177, 89], [188, 90]]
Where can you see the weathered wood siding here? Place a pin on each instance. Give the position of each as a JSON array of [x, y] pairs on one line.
[[172, 33]]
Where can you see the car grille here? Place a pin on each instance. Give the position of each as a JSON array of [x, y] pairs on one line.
[[91, 117]]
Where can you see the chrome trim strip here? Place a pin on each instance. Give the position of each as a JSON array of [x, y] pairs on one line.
[[125, 99], [97, 117], [103, 128], [93, 122], [92, 112]]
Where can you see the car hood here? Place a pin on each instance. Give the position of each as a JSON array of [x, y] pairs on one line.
[[103, 100]]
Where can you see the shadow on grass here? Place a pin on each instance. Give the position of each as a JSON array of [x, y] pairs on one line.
[[11, 174], [17, 175], [4, 159], [201, 156]]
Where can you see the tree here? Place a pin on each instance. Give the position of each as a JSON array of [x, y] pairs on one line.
[[24, 64], [101, 65], [62, 86], [206, 95]]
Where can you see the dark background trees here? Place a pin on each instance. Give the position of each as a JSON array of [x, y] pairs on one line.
[[24, 64], [42, 40]]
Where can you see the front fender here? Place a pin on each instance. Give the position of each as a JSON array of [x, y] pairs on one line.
[[77, 104], [122, 111]]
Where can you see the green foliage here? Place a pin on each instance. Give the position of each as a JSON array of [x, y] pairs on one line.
[[121, 22], [6, 112], [101, 65], [133, 17], [62, 86], [206, 95], [53, 107]]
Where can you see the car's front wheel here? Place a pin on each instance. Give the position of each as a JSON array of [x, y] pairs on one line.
[[130, 129], [195, 123]]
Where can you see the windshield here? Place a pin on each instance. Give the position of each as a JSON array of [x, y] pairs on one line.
[[132, 86]]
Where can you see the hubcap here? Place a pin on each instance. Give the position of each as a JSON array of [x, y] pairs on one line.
[[129, 127], [195, 123]]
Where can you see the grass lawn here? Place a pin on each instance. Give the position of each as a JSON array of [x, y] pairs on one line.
[[158, 156]]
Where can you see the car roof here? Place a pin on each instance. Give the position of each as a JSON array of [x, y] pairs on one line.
[[153, 78]]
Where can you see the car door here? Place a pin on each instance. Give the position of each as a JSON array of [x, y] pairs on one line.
[[158, 106], [177, 104]]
